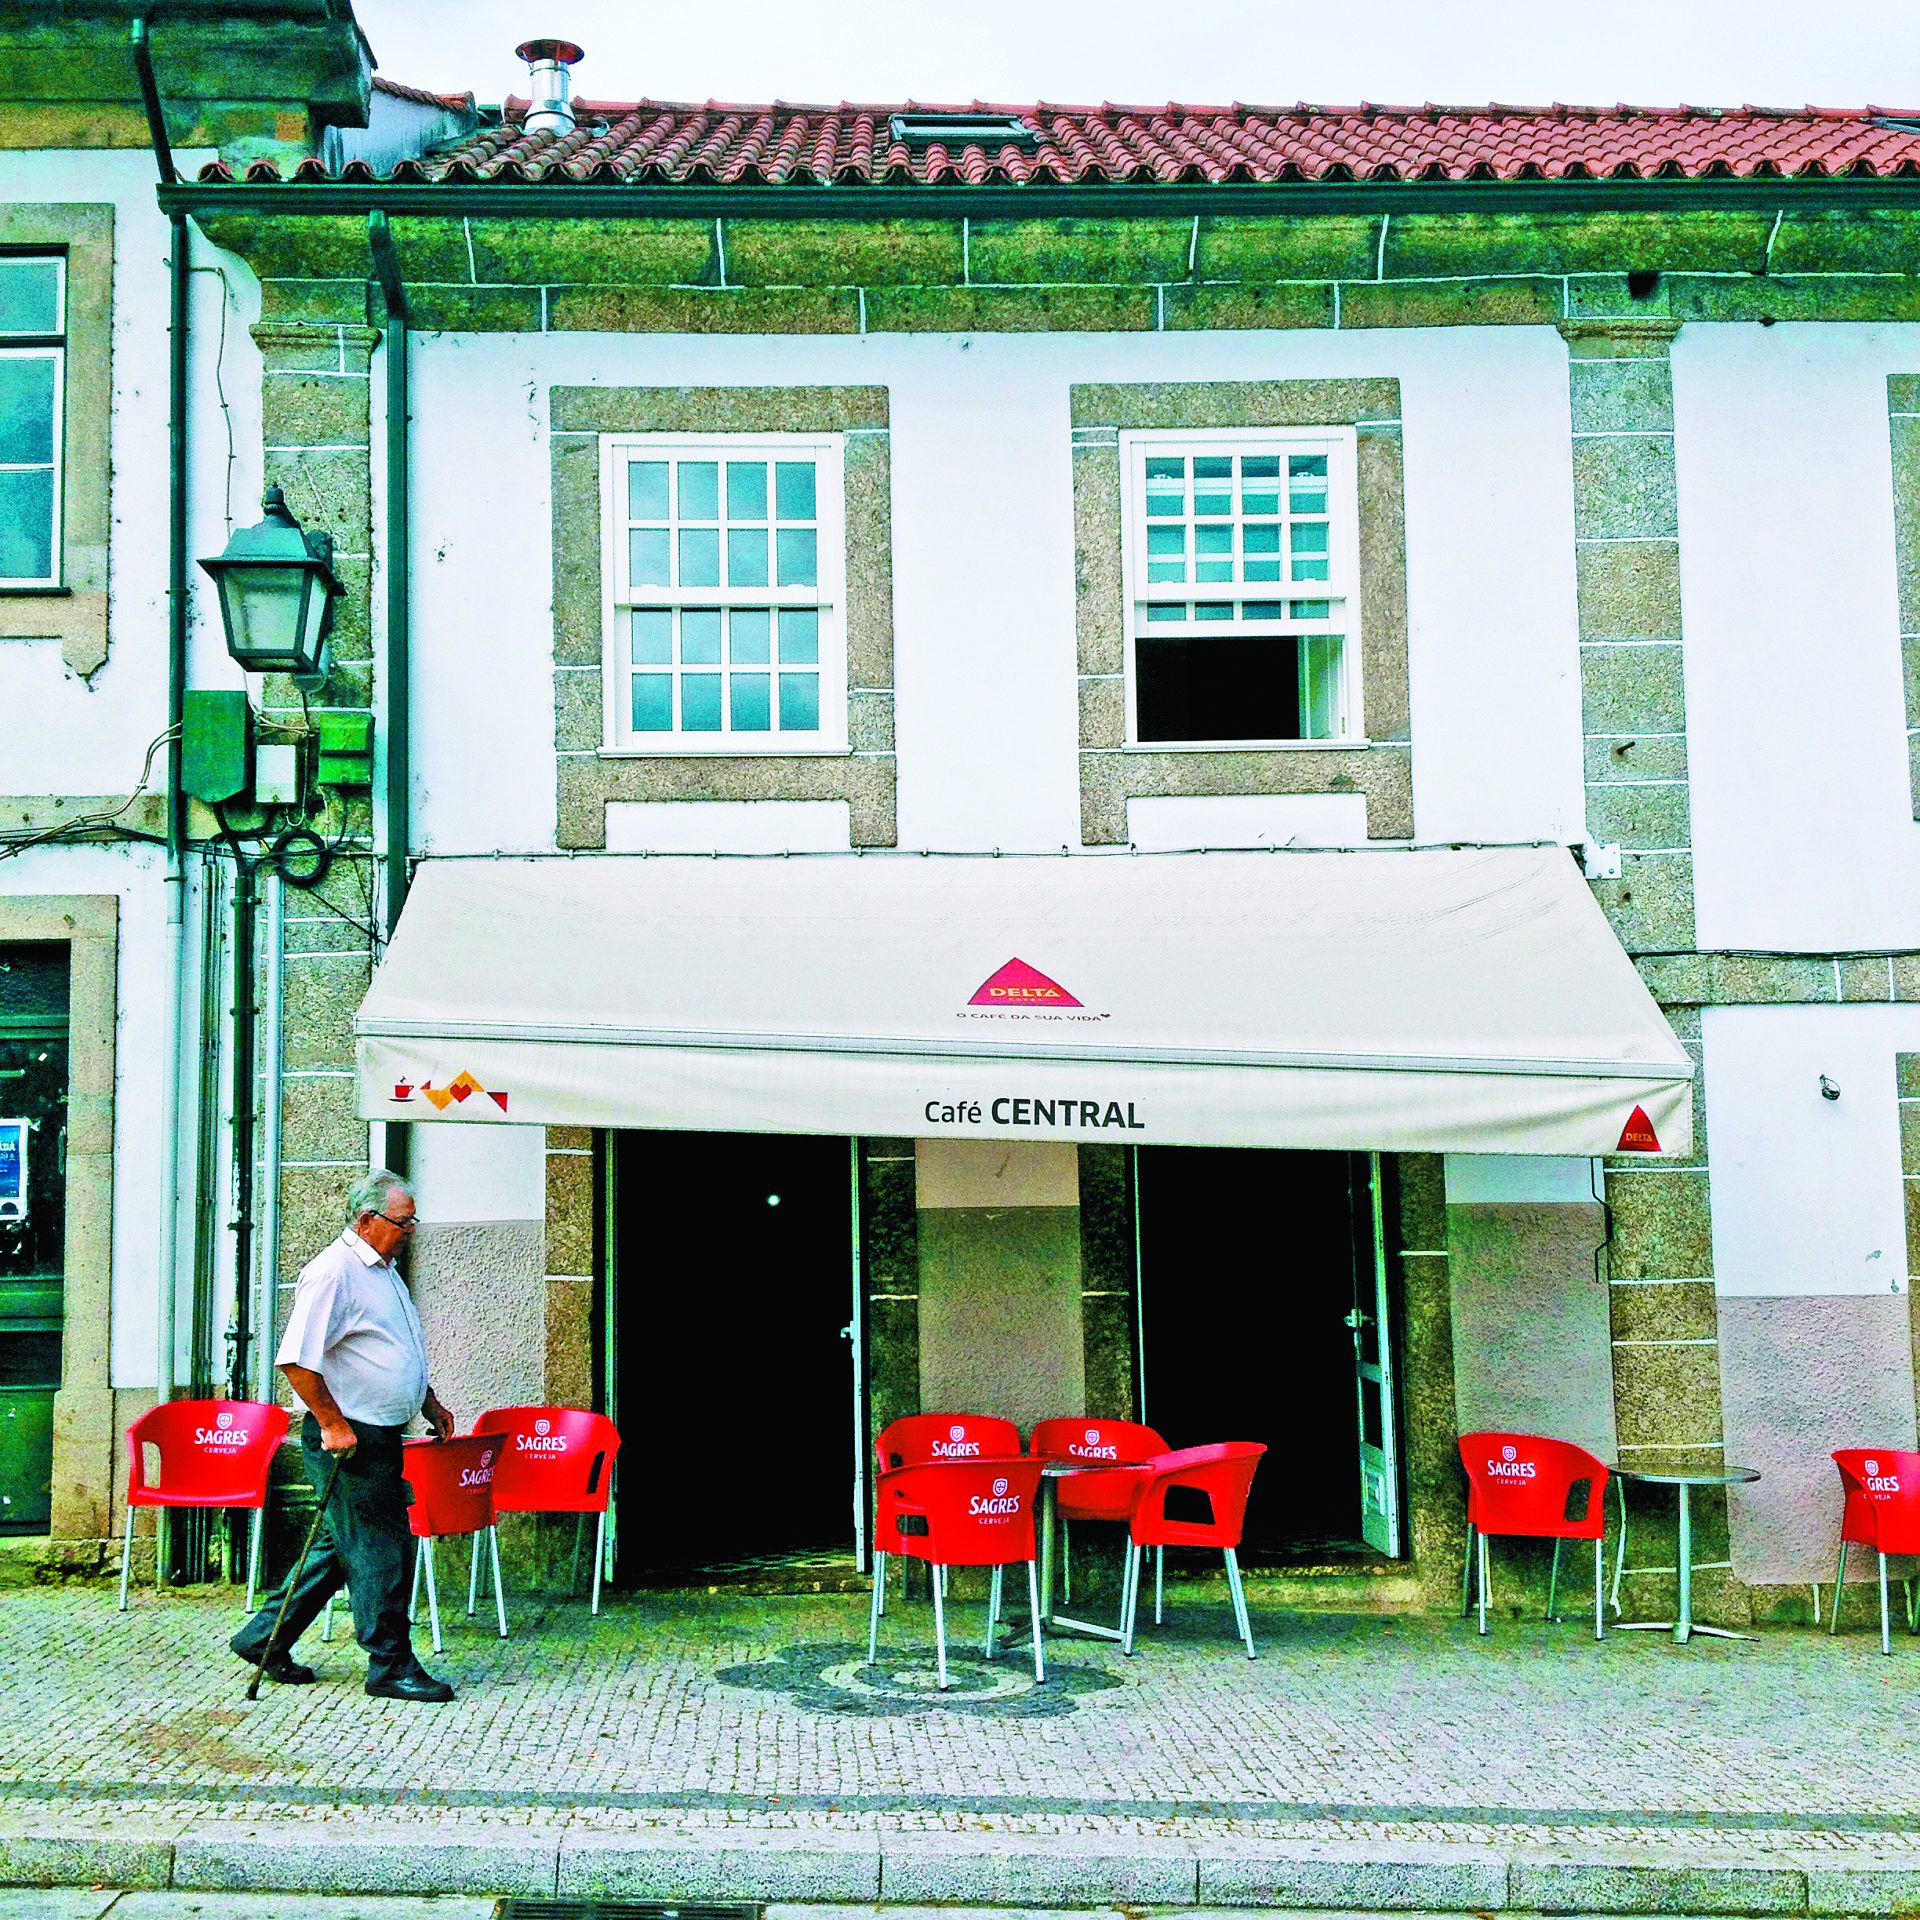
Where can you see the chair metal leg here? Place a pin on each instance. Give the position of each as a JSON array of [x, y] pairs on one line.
[[499, 1591], [1813, 1587], [1129, 1597], [1033, 1601], [413, 1597], [599, 1557], [126, 1555], [433, 1597], [1553, 1583], [1886, 1644], [1159, 1584], [1239, 1600], [993, 1614], [1066, 1562], [579, 1534], [1483, 1584], [473, 1572], [880, 1578], [1839, 1584], [1620, 1551], [253, 1554], [1599, 1589], [940, 1627], [876, 1607], [1466, 1576], [1913, 1606], [326, 1618]]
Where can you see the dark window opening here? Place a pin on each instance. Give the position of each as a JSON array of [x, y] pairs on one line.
[[1218, 689]]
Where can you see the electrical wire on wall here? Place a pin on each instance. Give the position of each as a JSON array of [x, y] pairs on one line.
[[93, 826]]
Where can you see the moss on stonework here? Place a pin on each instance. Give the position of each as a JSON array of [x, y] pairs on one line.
[[476, 309], [1857, 240], [1450, 303], [641, 253], [1769, 297], [1269, 248], [1079, 252], [320, 302], [630, 309], [1709, 241], [1203, 308], [1011, 310], [434, 248], [836, 253], [313, 247]]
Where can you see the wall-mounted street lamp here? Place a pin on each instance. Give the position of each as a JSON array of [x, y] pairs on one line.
[[277, 589]]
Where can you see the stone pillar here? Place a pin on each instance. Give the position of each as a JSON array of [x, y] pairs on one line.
[[1436, 1519], [890, 1273], [1903, 423], [1110, 1270]]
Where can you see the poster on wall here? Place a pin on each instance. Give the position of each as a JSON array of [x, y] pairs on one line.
[[13, 1170]]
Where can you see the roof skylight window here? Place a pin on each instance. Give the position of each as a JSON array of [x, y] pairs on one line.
[[925, 129]]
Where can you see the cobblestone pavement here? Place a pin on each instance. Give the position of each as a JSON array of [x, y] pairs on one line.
[[731, 1717]]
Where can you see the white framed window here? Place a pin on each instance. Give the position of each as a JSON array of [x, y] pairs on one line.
[[1242, 585], [33, 352], [726, 593]]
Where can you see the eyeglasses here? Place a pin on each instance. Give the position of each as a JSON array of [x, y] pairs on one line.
[[406, 1226]]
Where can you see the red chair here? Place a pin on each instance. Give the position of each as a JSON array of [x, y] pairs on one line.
[[452, 1483], [1223, 1473], [919, 1437], [959, 1513], [213, 1453], [1093, 1444], [1524, 1486], [1882, 1512], [557, 1460]]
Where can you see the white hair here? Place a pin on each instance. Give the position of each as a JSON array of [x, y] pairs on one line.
[[370, 1193]]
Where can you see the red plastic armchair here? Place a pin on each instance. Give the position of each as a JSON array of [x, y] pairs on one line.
[[1223, 1473], [959, 1513], [213, 1453], [918, 1437], [1882, 1511], [557, 1460], [1527, 1486], [1095, 1494], [452, 1483]]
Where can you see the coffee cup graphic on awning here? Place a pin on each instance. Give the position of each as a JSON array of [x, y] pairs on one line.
[[1018, 985]]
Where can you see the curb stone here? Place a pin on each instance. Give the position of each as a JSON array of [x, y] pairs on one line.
[[1639, 1882], [230, 1858], [813, 1869], [1320, 1875], [52, 1857], [1056, 1871]]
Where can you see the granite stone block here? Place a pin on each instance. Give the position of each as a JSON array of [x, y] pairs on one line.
[[1628, 689], [241, 1855], [1621, 1884], [1056, 1871], [1630, 756], [53, 1854], [1651, 905], [1629, 591], [1622, 396], [1395, 1877], [1624, 488], [729, 1866], [1297, 304], [1266, 248]]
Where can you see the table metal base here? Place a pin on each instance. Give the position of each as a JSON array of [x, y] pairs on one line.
[[1682, 1631]]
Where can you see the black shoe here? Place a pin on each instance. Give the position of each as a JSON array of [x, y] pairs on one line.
[[283, 1670], [418, 1684]]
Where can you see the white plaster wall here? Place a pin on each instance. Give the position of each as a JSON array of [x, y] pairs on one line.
[[1806, 1191], [1495, 1179], [740, 826], [1169, 825], [983, 564], [82, 737], [1803, 829], [465, 1174]]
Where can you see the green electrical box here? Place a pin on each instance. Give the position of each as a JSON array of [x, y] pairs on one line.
[[216, 746], [346, 749]]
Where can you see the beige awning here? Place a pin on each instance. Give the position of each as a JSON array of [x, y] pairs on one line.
[[1432, 1000]]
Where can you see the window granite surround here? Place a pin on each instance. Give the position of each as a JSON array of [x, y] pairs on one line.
[[74, 612], [588, 775], [1111, 771]]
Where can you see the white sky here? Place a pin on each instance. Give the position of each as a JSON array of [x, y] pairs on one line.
[[1650, 52]]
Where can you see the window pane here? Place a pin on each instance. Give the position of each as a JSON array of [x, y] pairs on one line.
[[798, 556], [1221, 687], [699, 556], [1313, 609], [1320, 689], [1260, 466], [700, 637], [793, 489], [752, 702], [799, 636], [699, 703], [647, 557], [699, 490], [653, 703], [29, 296], [1170, 571], [746, 489], [799, 703], [26, 408], [1310, 570], [1264, 610], [1308, 466], [1260, 536], [746, 556], [1164, 610], [1212, 500], [652, 637], [1264, 501], [1162, 541], [1310, 536], [1213, 467], [26, 525], [747, 636], [1214, 610], [1260, 570], [1215, 537], [647, 490], [1166, 466]]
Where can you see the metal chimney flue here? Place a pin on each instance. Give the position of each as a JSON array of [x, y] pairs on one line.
[[550, 106]]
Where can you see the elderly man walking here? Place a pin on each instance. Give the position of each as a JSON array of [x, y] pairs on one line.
[[353, 1353]]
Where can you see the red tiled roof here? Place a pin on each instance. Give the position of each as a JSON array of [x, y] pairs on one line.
[[454, 102], [663, 143]]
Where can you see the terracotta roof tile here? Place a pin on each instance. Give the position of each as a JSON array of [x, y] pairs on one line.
[[668, 143]]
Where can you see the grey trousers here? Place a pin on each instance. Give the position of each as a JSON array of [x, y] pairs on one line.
[[364, 1544]]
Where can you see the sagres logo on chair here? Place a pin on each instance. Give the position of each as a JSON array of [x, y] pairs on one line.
[[1091, 1447], [542, 1439], [956, 1446], [999, 1502], [223, 1433], [1878, 1482], [1511, 1467], [482, 1475]]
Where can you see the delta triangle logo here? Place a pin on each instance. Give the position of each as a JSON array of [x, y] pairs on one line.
[[1019, 985], [1638, 1136]]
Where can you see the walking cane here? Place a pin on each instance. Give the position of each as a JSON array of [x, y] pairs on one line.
[[293, 1579]]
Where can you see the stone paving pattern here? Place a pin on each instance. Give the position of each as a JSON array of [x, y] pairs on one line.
[[1387, 1761]]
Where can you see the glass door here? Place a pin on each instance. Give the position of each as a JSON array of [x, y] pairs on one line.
[[1373, 1360]]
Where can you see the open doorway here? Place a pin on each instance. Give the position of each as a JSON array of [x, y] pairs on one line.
[[732, 1289], [1263, 1317]]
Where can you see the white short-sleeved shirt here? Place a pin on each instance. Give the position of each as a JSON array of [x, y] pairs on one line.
[[354, 1325]]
